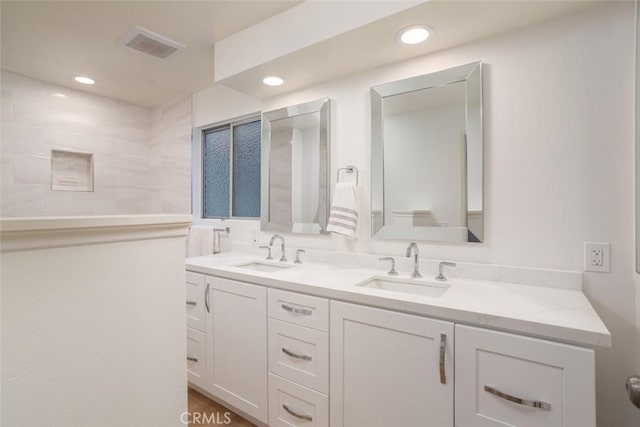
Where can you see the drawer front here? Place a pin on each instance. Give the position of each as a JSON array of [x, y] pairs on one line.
[[504, 379], [304, 310], [291, 404], [196, 357], [196, 305], [299, 354]]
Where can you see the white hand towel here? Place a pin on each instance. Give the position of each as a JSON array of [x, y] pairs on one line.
[[343, 219], [202, 240]]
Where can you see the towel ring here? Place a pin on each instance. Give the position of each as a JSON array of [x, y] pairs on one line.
[[348, 169]]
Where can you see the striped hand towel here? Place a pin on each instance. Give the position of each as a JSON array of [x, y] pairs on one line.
[[343, 219]]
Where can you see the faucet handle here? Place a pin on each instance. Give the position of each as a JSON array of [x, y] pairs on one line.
[[269, 253], [441, 266], [298, 252], [393, 271]]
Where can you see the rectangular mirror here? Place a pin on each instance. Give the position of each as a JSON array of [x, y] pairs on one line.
[[426, 157], [295, 166]]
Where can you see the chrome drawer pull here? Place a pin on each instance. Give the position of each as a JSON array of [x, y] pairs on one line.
[[192, 303], [295, 414], [443, 345], [531, 403], [192, 359], [295, 356], [206, 299], [302, 311]]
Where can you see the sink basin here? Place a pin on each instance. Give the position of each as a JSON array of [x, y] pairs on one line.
[[406, 286], [263, 266]]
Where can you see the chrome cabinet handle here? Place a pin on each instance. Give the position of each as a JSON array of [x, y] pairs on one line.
[[302, 311], [443, 345], [295, 356], [297, 415], [192, 303], [206, 299], [633, 390], [523, 402], [192, 359]]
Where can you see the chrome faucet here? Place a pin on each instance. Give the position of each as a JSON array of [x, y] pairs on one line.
[[416, 260], [441, 276], [283, 256], [393, 271]]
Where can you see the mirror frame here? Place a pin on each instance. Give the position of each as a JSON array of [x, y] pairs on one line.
[[321, 106], [637, 142], [378, 93]]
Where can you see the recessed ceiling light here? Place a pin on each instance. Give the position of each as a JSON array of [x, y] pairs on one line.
[[84, 80], [272, 81], [415, 34]]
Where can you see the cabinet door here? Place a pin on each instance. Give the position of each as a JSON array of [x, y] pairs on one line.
[[196, 357], [196, 303], [504, 379], [239, 333], [385, 369]]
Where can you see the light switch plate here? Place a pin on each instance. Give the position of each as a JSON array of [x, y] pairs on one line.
[[597, 257]]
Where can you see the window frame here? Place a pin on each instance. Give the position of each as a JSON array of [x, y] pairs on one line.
[[197, 169]]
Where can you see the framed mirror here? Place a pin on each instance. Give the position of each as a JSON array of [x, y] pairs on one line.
[[295, 167], [426, 157]]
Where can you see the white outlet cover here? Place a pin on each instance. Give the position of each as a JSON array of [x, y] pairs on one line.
[[591, 261]]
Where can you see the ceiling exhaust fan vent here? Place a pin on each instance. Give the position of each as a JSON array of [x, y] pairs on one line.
[[148, 42]]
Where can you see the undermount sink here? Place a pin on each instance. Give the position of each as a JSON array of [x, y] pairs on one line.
[[265, 267], [406, 286]]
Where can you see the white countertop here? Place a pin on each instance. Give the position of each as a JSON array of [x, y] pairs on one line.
[[551, 313]]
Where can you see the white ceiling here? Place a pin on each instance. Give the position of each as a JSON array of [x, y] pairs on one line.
[[455, 22], [57, 40]]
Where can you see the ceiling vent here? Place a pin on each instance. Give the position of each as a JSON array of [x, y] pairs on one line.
[[148, 42]]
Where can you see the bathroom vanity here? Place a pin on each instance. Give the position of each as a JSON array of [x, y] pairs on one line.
[[318, 344]]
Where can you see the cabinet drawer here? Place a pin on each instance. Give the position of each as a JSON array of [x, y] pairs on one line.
[[504, 379], [299, 354], [305, 310], [291, 404], [196, 305], [196, 357]]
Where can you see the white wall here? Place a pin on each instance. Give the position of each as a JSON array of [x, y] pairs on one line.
[[93, 324], [559, 125]]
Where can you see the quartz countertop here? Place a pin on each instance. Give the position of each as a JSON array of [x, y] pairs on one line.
[[551, 313]]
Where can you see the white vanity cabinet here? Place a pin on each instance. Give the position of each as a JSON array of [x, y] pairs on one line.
[[197, 307], [387, 368], [506, 379], [238, 332], [291, 359]]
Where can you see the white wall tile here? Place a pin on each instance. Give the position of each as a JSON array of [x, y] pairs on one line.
[[122, 137], [30, 169]]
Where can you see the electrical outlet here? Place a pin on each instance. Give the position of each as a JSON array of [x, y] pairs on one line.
[[597, 257]]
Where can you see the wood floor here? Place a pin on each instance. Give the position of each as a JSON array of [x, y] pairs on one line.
[[206, 412]]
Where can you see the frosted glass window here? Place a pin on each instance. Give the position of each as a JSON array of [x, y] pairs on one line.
[[231, 170], [246, 169], [216, 165]]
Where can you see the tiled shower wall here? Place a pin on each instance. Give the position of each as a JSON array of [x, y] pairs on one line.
[[127, 143], [170, 156]]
